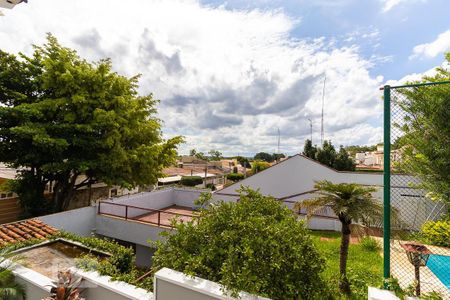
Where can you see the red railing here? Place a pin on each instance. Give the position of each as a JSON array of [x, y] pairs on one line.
[[139, 217]]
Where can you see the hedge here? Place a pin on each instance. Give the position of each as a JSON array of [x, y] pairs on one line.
[[235, 176], [437, 232], [191, 180]]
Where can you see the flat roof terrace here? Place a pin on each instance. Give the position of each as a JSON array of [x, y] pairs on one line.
[[160, 217]]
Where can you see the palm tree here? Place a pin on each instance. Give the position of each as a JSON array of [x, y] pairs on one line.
[[9, 289], [351, 203]]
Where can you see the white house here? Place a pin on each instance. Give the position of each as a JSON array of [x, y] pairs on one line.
[[293, 180]]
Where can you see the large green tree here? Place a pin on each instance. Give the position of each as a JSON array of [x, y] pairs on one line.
[[255, 245], [63, 118], [425, 144], [327, 155]]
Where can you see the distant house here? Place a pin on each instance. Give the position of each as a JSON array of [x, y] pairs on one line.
[[10, 209]]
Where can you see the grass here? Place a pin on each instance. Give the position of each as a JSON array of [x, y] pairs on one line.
[[364, 267]]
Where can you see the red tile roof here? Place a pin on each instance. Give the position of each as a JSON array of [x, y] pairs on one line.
[[25, 230]]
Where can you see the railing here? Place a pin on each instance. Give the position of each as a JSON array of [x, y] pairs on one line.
[[131, 212]]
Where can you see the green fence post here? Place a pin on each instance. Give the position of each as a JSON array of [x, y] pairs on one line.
[[387, 181]]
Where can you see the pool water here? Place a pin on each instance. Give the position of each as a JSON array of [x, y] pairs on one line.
[[440, 266]]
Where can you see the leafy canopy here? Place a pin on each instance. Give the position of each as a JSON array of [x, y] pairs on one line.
[[61, 117], [426, 128], [255, 245], [350, 202], [328, 156]]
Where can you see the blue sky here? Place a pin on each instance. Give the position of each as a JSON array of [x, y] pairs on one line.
[[230, 74], [404, 26]]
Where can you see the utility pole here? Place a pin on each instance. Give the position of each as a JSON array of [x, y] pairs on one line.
[[278, 152], [310, 125], [323, 103]]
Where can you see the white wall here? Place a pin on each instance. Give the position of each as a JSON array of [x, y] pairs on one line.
[[80, 221], [126, 230], [170, 284]]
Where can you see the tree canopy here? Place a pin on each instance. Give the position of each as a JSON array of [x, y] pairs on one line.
[[63, 119], [267, 157], [327, 155], [426, 128], [255, 245]]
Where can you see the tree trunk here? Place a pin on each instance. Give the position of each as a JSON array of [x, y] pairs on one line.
[[344, 285], [64, 191]]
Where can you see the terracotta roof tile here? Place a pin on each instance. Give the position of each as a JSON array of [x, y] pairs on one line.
[[24, 230]]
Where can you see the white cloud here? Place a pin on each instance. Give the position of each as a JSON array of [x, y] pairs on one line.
[[436, 47], [390, 4], [226, 79]]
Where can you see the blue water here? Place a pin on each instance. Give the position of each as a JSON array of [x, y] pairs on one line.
[[440, 266]]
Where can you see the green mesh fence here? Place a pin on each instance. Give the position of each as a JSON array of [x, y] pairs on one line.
[[417, 252]]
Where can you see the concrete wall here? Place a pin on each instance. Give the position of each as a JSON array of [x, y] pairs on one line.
[[80, 221], [93, 286], [170, 284], [144, 256], [186, 198], [127, 230]]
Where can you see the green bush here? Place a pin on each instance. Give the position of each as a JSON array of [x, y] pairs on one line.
[[255, 245], [235, 176], [191, 180], [211, 186], [370, 244], [437, 232], [258, 166]]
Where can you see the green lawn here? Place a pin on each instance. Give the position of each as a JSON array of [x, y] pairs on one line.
[[364, 267]]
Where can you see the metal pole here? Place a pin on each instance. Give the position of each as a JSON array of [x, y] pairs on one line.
[[387, 182]]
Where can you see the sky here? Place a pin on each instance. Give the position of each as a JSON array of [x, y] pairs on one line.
[[230, 74]]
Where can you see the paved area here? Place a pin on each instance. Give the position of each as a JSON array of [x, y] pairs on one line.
[[165, 216], [402, 269]]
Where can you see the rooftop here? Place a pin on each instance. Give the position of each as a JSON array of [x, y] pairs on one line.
[[24, 230]]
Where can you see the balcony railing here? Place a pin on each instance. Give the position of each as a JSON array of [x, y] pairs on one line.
[[161, 218]]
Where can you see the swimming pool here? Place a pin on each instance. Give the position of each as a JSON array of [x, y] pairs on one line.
[[440, 266]]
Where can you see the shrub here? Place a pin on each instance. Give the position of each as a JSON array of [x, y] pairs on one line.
[[191, 180], [235, 176], [235, 169], [437, 232], [370, 244], [211, 186], [256, 245], [258, 166]]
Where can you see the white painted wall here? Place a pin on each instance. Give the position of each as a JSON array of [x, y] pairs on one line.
[[80, 221], [126, 230], [170, 284]]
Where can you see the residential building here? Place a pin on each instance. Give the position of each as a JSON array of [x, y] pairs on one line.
[[293, 180]]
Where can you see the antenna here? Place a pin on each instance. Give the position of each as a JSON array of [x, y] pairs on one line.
[[310, 125], [278, 156], [323, 102]]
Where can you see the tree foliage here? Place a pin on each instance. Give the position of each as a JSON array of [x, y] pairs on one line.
[[426, 127], [255, 245], [264, 156], [267, 157], [191, 180], [328, 156], [258, 166], [215, 155], [352, 150], [235, 176], [243, 161], [62, 117], [350, 203]]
